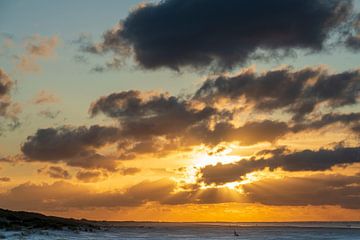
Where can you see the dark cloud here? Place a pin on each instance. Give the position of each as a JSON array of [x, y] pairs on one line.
[[74, 146], [313, 190], [306, 160], [8, 109], [5, 179], [150, 122], [5, 87], [89, 176], [5, 83], [200, 33], [348, 119], [47, 113], [55, 172], [159, 123], [129, 171], [353, 40], [152, 110], [248, 134], [297, 92]]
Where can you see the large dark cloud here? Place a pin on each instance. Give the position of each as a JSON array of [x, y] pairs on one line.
[[301, 191], [158, 114], [176, 33], [74, 146], [143, 119], [306, 160], [297, 92], [151, 122]]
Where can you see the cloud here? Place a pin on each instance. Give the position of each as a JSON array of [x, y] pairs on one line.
[[297, 92], [156, 108], [47, 113], [44, 97], [129, 171], [37, 47], [74, 146], [353, 40], [5, 87], [159, 123], [306, 160], [155, 122], [89, 176], [289, 191], [314, 190], [115, 63], [63, 195], [5, 179], [222, 35], [55, 172], [149, 122], [204, 196], [348, 119], [248, 134], [97, 175], [8, 109]]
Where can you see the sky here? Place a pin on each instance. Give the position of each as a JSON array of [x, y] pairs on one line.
[[173, 110]]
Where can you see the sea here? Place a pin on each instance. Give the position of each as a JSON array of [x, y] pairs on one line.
[[208, 231]]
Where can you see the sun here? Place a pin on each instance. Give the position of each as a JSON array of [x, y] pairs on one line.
[[204, 156], [211, 156]]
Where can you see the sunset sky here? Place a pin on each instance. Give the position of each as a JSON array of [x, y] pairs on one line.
[[203, 110]]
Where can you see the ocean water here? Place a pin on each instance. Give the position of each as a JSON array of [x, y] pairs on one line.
[[162, 231]]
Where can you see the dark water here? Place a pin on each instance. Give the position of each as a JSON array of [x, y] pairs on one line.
[[162, 231]]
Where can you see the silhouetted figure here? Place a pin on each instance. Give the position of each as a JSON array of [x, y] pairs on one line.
[[236, 234]]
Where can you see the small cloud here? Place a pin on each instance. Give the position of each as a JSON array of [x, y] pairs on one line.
[[49, 114], [36, 47], [55, 172], [90, 176], [5, 179], [80, 59], [43, 97], [129, 171]]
